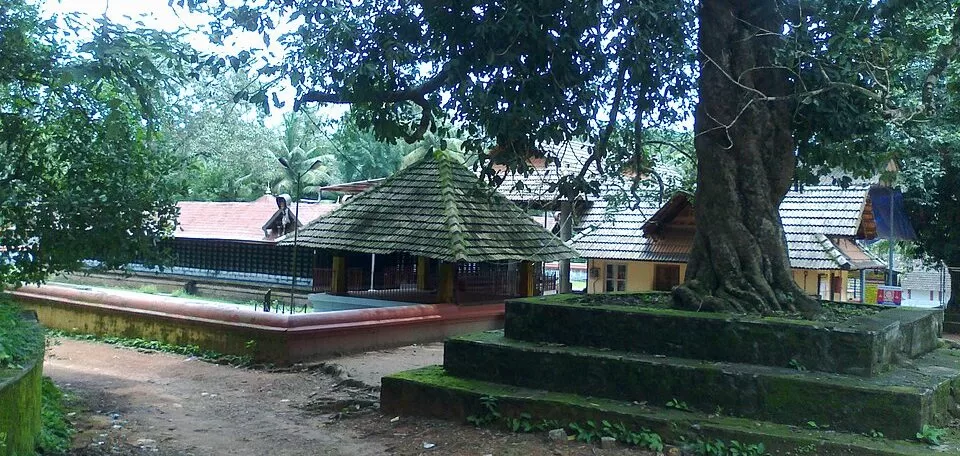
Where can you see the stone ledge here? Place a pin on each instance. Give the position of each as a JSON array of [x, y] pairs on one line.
[[863, 346], [431, 392]]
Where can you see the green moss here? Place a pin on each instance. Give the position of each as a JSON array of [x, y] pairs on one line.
[[661, 311], [413, 392], [777, 394], [20, 410]]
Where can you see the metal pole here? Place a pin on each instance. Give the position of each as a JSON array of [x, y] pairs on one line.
[[296, 231], [890, 242], [373, 267]]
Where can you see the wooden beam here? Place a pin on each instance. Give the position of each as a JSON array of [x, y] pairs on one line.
[[527, 284], [338, 285], [423, 271], [446, 288]]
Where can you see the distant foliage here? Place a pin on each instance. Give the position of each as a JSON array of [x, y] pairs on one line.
[[221, 143]]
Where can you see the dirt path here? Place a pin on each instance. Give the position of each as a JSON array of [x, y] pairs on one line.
[[138, 403], [187, 405]]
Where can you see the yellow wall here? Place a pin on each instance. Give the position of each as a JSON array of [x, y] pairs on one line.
[[807, 280], [640, 277]]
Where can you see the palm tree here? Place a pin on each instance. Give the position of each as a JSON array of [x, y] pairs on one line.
[[430, 143], [304, 160]]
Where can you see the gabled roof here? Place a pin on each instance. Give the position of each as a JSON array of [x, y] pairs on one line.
[[610, 232], [819, 224], [439, 209], [926, 279], [236, 221], [828, 210]]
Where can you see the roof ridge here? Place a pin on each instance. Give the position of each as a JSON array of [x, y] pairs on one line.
[[832, 251], [452, 214]]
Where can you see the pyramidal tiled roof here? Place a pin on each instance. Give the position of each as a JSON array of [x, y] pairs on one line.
[[435, 208]]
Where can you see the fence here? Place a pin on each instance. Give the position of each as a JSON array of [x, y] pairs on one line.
[[396, 280]]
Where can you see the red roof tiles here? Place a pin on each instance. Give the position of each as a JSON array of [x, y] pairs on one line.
[[237, 221]]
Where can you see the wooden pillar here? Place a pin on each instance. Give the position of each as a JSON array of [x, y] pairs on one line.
[[527, 283], [338, 285], [446, 287], [423, 271]]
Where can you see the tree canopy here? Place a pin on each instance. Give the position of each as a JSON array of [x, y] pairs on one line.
[[80, 174]]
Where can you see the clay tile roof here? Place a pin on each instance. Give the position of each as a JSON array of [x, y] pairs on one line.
[[236, 221], [819, 224], [352, 188], [439, 209], [536, 185], [926, 279], [827, 210]]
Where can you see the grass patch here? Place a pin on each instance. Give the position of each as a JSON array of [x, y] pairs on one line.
[[835, 312], [148, 289], [20, 341], [155, 345], [650, 300], [57, 432]]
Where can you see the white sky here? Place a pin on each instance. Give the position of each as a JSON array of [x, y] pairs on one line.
[[154, 14], [158, 14]]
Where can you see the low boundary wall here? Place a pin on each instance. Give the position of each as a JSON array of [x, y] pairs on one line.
[[270, 337], [20, 401]]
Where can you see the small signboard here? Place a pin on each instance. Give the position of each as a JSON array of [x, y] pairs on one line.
[[873, 280], [889, 296]]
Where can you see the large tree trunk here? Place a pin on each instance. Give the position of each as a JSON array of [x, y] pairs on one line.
[[745, 153]]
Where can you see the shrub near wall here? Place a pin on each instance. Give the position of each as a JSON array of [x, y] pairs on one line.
[[21, 369]]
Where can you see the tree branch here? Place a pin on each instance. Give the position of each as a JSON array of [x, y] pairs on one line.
[[416, 95], [601, 148]]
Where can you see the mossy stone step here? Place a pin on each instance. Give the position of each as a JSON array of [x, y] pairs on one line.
[[897, 403], [432, 392], [864, 346]]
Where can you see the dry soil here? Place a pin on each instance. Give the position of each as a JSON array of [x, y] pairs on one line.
[[134, 402]]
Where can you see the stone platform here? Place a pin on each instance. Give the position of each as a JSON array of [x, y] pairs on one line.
[[896, 403], [791, 384], [865, 345]]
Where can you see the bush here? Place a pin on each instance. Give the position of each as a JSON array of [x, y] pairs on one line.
[[57, 432], [19, 342]]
